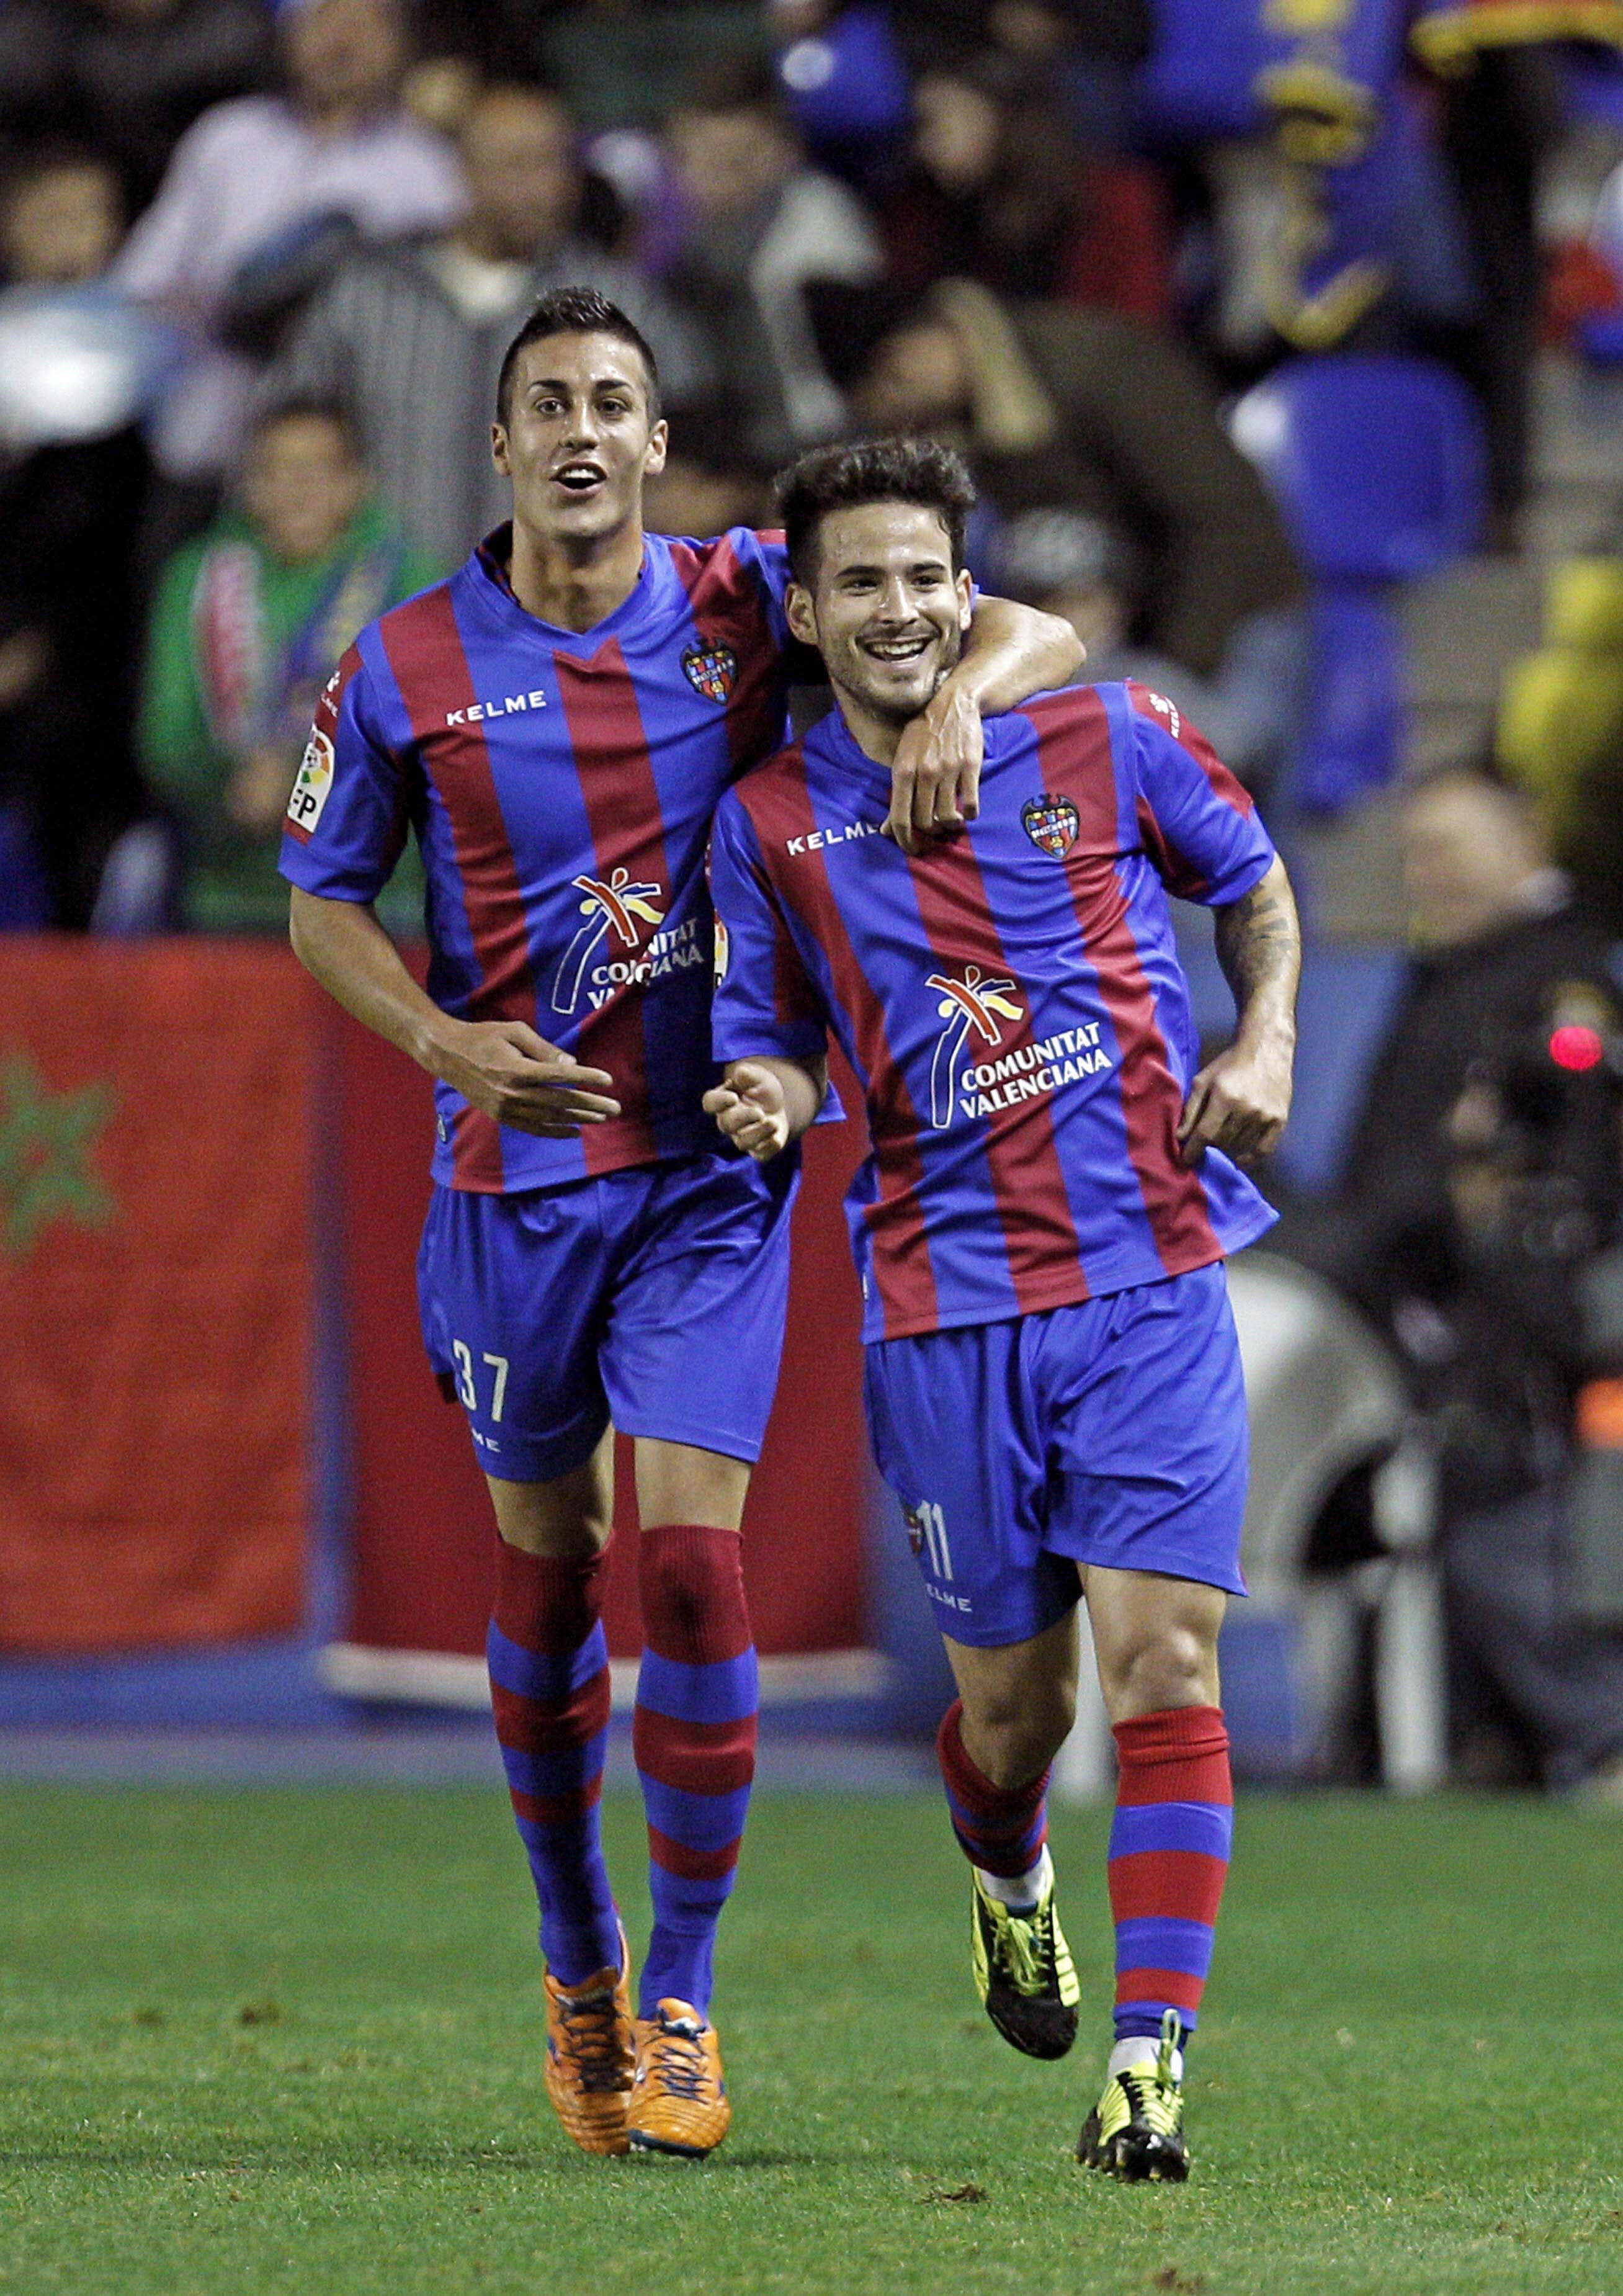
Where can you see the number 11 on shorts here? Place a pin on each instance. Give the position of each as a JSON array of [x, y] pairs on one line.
[[931, 1527], [469, 1392]]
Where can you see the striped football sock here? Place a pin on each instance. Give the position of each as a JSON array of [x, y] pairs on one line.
[[1001, 1829], [1170, 1847], [549, 1685], [693, 1735]]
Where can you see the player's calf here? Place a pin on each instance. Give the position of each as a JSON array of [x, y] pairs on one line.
[[549, 1687], [1022, 1965], [1168, 1861], [693, 1735]]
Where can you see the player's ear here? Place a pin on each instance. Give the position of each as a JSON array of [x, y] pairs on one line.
[[965, 588], [658, 443], [801, 613], [499, 448]]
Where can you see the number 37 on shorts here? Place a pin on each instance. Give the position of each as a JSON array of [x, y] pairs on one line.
[[468, 1386]]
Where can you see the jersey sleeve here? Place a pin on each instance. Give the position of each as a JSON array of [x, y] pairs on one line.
[[1199, 826], [347, 818], [765, 1001], [767, 557]]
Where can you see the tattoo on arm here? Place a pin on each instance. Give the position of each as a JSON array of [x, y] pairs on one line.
[[1259, 945]]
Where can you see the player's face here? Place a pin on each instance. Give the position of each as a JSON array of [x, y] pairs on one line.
[[301, 486], [578, 442], [1468, 849], [887, 613]]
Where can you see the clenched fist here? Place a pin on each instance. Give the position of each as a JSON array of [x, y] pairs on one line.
[[751, 1110]]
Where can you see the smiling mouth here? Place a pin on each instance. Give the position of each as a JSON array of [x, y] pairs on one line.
[[579, 478], [899, 653]]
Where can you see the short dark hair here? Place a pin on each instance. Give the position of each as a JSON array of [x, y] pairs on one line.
[[574, 311], [310, 406], [917, 471]]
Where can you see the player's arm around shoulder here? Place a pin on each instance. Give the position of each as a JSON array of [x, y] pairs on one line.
[[1010, 652]]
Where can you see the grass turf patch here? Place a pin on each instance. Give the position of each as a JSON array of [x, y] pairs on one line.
[[273, 2040]]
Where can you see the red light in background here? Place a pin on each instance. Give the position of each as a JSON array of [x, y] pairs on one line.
[[1576, 1046]]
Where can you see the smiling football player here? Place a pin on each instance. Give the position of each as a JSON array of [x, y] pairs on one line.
[[556, 724], [1054, 1382]]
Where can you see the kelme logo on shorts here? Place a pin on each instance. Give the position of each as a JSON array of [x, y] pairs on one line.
[[711, 670], [1051, 823]]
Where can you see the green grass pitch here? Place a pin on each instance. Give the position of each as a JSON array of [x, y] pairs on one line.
[[276, 2040]]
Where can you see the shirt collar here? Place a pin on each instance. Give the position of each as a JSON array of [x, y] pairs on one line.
[[487, 570]]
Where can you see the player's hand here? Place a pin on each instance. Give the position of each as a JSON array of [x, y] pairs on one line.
[[935, 781], [751, 1111], [515, 1077], [1238, 1103]]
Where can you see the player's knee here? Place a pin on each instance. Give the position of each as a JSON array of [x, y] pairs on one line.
[[1172, 1666], [1022, 1726], [529, 1517], [684, 1584], [563, 1541]]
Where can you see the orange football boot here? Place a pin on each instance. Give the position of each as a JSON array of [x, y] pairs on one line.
[[679, 2098], [591, 2056]]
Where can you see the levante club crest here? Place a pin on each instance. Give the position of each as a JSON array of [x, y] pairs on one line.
[[711, 670], [1051, 823]]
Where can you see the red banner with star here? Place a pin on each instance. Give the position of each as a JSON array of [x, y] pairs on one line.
[[155, 1293]]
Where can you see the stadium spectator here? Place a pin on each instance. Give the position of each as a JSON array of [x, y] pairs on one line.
[[621, 66], [844, 82], [77, 372], [1088, 412], [250, 620], [1092, 44], [1088, 573], [762, 226], [266, 179], [412, 335], [1481, 1180], [705, 486], [60, 217], [995, 189], [128, 76]]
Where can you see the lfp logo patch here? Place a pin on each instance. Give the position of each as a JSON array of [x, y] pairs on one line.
[[711, 670], [314, 783], [1051, 823]]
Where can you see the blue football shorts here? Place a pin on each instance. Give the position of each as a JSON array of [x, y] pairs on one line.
[[1110, 1432], [654, 1297]]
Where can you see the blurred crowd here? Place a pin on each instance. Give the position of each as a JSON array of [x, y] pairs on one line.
[[1476, 1226], [260, 267]]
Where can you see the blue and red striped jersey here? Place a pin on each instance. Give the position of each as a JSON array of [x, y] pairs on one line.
[[1012, 1002], [561, 789]]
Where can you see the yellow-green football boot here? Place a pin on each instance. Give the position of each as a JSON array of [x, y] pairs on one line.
[[1135, 2131], [1023, 1971]]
